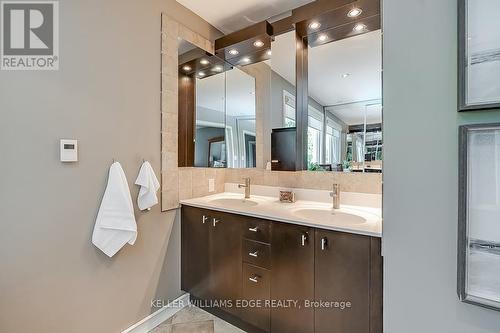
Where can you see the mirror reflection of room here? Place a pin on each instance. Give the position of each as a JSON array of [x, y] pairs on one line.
[[344, 108]]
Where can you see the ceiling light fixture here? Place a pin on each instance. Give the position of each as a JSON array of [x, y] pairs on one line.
[[246, 59], [204, 62], [269, 52], [345, 75], [217, 68], [359, 27], [355, 12], [258, 43], [322, 37], [187, 68], [233, 52], [314, 25], [201, 74]]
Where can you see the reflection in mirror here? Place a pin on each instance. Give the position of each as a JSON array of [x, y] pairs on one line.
[[216, 111], [345, 110]]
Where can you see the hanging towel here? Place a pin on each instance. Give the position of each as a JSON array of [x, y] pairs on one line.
[[149, 185], [115, 224]]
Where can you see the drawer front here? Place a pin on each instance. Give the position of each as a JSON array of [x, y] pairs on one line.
[[256, 288], [258, 230], [257, 253]]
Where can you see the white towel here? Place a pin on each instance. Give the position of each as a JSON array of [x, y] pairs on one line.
[[149, 185], [115, 224]]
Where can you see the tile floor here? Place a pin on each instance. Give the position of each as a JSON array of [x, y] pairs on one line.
[[194, 320]]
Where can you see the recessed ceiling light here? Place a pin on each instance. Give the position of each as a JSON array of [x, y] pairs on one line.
[[314, 25], [246, 59], [217, 68], [355, 12], [345, 75], [201, 73], [258, 43], [359, 27], [204, 62], [233, 52], [322, 37], [269, 52], [187, 68]]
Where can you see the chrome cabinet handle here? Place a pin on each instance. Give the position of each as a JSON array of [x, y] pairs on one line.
[[215, 221], [303, 239], [255, 229], [254, 279], [254, 254], [324, 243], [204, 219]]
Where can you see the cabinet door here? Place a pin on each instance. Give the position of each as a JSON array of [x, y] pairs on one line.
[[292, 277], [342, 274], [225, 259], [194, 251]]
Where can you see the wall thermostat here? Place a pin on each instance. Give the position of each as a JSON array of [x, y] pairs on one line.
[[69, 150]]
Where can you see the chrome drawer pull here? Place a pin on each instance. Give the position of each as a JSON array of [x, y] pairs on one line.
[[204, 219], [254, 254], [253, 229], [215, 221], [324, 243], [303, 239], [254, 279]]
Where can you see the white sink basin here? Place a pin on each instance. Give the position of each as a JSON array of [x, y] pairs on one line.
[[330, 215], [234, 202]]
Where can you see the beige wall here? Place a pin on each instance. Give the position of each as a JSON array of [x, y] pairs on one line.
[[106, 95]]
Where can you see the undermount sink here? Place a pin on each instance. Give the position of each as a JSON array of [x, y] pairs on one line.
[[234, 202], [329, 215]]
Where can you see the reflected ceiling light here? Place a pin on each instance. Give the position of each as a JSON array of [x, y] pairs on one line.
[[201, 73], [269, 52], [355, 12], [359, 27], [314, 25], [204, 62], [258, 43], [233, 52], [345, 75], [186, 68], [322, 37], [246, 59], [217, 68]]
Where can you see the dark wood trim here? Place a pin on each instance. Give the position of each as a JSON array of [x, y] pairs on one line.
[[376, 286], [301, 101], [186, 119]]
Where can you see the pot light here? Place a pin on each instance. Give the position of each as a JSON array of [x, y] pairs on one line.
[[322, 37], [233, 52], [246, 59], [258, 43], [355, 12], [269, 52], [346, 75], [314, 25], [204, 62], [186, 68], [201, 74], [359, 27], [217, 68]]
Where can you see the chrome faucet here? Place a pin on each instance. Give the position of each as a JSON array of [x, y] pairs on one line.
[[246, 186], [335, 194]]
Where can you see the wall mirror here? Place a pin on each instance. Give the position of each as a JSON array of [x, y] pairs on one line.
[[216, 111], [345, 109]]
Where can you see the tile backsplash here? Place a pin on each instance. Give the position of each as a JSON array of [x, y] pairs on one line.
[[194, 182]]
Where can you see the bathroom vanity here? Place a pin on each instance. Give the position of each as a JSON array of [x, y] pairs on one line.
[[266, 266]]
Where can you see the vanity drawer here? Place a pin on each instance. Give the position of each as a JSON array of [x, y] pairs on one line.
[[257, 253], [258, 230], [256, 289]]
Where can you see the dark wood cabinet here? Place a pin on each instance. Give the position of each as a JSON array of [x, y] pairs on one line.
[[342, 274], [336, 277], [292, 277]]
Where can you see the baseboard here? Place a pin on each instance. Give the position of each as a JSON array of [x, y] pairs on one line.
[[158, 317]]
